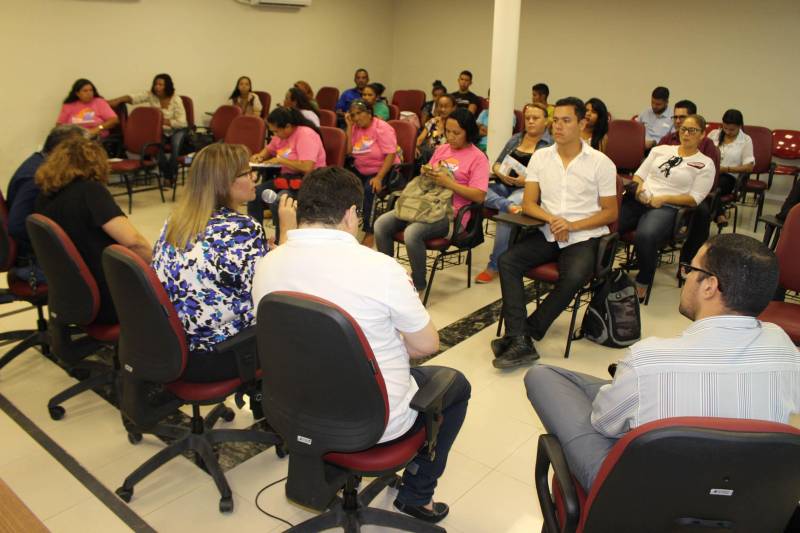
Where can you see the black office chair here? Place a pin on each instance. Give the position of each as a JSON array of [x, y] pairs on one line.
[[153, 349], [678, 474], [325, 395]]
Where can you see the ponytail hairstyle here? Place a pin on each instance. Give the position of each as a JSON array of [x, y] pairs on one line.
[[301, 100], [285, 116], [731, 116]]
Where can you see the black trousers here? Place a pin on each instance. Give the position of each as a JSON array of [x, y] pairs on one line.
[[575, 267]]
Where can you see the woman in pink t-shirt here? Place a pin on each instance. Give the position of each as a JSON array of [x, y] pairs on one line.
[[373, 145], [84, 107], [296, 146], [458, 165]]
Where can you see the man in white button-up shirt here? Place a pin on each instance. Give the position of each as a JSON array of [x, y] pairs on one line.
[[576, 185], [727, 363]]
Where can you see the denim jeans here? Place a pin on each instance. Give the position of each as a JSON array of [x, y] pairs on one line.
[[418, 487], [500, 196], [416, 233], [653, 228], [369, 200]]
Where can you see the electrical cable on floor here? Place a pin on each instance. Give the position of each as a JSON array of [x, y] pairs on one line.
[[265, 512]]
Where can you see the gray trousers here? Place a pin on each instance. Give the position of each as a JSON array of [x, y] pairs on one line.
[[563, 401]]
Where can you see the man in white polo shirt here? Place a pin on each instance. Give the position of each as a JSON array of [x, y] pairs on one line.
[[577, 188], [657, 118], [323, 258]]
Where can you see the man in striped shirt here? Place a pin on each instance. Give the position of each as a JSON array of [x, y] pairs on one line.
[[726, 364]]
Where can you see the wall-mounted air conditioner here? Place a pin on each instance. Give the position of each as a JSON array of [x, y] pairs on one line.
[[284, 3]]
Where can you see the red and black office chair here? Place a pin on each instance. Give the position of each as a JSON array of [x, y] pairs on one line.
[[153, 349], [325, 395], [626, 145], [188, 106], [406, 136], [247, 130], [73, 300], [334, 142], [142, 137], [464, 239], [785, 145], [327, 98], [266, 101], [20, 290], [762, 151], [520, 124], [547, 274], [221, 121], [678, 474], [327, 118], [409, 100], [394, 112], [787, 314]]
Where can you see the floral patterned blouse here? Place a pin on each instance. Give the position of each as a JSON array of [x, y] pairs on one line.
[[210, 281]]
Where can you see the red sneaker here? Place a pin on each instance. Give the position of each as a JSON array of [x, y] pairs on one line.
[[486, 276]]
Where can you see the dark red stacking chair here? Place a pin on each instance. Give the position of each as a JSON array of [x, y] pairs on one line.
[[409, 100], [247, 130], [325, 395], [785, 145], [787, 314], [678, 474], [327, 118], [327, 98], [520, 125], [394, 112], [626, 145], [188, 106], [334, 142], [266, 101], [142, 137]]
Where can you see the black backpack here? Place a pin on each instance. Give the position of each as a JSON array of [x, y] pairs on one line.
[[612, 317]]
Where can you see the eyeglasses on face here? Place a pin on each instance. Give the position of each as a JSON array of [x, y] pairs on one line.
[[689, 130], [679, 117], [250, 173], [687, 269]]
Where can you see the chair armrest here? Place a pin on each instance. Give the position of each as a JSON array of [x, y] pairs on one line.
[[243, 347], [549, 453], [606, 250], [475, 219], [683, 219], [428, 401]]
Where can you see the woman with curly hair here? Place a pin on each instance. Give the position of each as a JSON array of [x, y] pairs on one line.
[[73, 194]]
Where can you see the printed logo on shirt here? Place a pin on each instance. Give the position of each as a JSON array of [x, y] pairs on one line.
[[450, 163], [697, 164], [363, 145], [84, 116], [284, 152]]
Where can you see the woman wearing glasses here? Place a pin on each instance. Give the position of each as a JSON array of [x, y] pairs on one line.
[[206, 255], [671, 177]]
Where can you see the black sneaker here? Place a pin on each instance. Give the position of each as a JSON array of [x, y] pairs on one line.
[[500, 345], [519, 352], [440, 510]]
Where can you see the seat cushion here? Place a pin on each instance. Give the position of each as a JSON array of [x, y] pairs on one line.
[[21, 289], [728, 198], [755, 185], [130, 165], [439, 244], [628, 236], [786, 315], [103, 332], [389, 456], [787, 169], [547, 272], [200, 392]]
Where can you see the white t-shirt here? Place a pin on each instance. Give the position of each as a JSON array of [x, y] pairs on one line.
[[372, 287], [664, 172], [310, 115], [573, 193], [739, 152]]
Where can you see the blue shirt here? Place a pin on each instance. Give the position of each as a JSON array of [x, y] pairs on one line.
[[656, 126], [347, 98], [22, 192], [483, 120]]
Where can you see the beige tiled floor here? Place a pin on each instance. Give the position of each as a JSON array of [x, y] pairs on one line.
[[488, 482]]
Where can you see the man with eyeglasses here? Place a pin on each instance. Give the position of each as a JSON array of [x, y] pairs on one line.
[[726, 364], [701, 218]]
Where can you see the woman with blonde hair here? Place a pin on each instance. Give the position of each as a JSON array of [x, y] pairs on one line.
[[74, 195], [206, 255]]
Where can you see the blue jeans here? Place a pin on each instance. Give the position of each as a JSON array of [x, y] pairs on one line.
[[500, 196], [653, 228], [416, 233], [418, 487]]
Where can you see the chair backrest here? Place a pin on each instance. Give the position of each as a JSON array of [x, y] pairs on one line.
[[711, 126], [327, 98], [787, 251], [122, 114], [625, 144], [152, 342], [736, 474], [327, 118], [188, 106], [221, 120], [143, 127], [409, 100], [786, 144], [406, 136], [334, 142], [520, 124], [266, 101], [762, 147], [322, 392], [247, 130], [8, 247], [72, 293], [394, 112]]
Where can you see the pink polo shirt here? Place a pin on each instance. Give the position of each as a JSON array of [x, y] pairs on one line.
[[304, 144], [88, 115], [469, 166], [371, 145]]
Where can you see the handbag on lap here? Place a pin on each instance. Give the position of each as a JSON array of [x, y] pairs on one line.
[[424, 201]]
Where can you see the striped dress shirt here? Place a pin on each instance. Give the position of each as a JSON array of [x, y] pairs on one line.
[[722, 366]]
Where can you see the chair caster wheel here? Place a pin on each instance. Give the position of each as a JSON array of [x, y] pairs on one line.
[[56, 412], [226, 505], [124, 494], [228, 415], [281, 451], [134, 438]]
